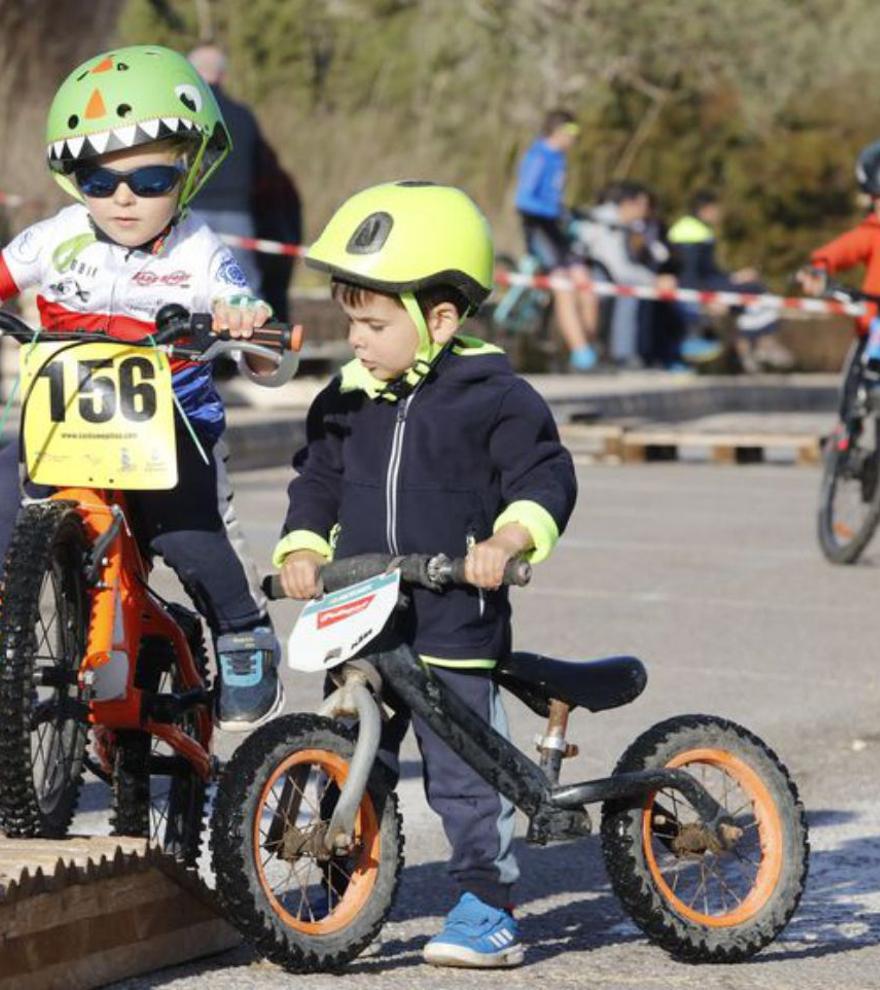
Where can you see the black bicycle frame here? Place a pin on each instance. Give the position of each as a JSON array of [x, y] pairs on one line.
[[555, 812]]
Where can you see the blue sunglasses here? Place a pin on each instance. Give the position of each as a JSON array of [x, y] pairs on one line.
[[149, 180]]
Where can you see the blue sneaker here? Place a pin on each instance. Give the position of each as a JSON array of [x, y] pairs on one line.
[[476, 935], [696, 350], [583, 359], [250, 691]]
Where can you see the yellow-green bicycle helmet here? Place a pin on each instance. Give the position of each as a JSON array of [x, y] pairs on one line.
[[402, 237]]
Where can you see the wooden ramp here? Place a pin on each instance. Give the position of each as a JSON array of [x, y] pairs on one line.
[[82, 912], [632, 445]]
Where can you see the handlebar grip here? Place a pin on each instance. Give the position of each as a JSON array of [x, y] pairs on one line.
[[279, 337], [272, 587], [517, 572]]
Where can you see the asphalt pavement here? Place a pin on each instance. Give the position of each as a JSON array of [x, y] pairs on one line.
[[712, 576]]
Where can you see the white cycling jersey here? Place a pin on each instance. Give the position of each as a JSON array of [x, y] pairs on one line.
[[85, 281]]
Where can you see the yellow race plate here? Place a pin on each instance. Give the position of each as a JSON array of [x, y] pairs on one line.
[[98, 416]]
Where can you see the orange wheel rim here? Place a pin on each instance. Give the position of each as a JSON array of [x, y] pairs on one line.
[[360, 876], [764, 831]]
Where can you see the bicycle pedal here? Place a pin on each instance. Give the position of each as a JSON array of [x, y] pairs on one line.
[[558, 825]]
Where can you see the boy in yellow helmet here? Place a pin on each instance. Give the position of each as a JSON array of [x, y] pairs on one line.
[[428, 442]]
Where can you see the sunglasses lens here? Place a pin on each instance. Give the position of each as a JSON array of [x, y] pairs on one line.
[[153, 180], [97, 182]]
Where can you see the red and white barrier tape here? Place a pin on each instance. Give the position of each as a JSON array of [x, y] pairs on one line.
[[506, 278], [681, 295], [698, 296], [263, 246]]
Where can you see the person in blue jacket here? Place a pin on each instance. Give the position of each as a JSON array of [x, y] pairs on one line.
[[428, 442], [539, 200]]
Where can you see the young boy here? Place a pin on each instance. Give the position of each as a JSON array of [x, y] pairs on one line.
[[133, 134], [428, 442]]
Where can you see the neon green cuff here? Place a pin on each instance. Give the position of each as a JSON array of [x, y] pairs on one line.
[[538, 521], [463, 664], [300, 539]]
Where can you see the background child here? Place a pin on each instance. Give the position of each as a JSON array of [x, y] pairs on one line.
[[133, 134], [859, 246], [428, 442]]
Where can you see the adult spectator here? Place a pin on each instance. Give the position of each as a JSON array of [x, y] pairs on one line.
[[277, 209], [225, 204], [693, 238], [621, 240], [539, 200]]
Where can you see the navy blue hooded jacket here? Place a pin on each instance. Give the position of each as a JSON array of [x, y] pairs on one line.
[[432, 473]]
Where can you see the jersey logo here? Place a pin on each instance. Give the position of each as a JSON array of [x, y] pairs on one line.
[[231, 273], [68, 288], [178, 278]]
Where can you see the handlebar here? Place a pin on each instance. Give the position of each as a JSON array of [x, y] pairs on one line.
[[186, 334], [432, 571], [842, 292]]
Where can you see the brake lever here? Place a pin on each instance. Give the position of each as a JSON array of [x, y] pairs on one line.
[[240, 344]]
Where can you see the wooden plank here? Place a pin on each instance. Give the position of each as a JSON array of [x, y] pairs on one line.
[[101, 914], [720, 448]]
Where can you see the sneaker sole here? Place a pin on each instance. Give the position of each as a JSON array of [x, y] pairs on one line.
[[243, 726], [457, 955]]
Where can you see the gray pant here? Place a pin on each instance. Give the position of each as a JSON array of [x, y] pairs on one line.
[[477, 820]]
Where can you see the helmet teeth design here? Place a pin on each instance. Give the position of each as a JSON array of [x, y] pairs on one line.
[[119, 137], [74, 145], [125, 135], [99, 141]]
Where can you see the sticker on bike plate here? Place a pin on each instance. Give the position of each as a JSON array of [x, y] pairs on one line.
[[339, 625], [98, 416]]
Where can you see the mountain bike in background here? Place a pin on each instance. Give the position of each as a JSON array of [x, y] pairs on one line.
[[849, 499]]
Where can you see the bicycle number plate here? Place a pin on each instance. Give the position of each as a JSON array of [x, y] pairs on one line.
[[339, 625], [98, 415]]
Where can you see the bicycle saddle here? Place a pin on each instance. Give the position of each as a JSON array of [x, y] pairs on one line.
[[592, 684]]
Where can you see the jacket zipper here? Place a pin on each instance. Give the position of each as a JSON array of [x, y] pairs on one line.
[[393, 475]]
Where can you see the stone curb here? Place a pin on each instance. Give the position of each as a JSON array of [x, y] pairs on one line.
[[270, 440]]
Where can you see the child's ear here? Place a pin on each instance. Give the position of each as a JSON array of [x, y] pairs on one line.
[[443, 321]]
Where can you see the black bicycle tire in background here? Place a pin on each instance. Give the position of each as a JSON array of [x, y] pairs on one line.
[[837, 546], [42, 649]]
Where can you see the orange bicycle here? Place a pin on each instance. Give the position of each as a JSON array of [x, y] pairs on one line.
[[85, 641]]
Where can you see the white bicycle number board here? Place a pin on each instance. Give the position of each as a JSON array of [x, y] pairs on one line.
[[337, 626]]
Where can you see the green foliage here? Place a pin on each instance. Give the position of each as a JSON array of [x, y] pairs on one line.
[[768, 101]]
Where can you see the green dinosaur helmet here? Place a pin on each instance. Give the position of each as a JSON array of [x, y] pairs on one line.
[[135, 96]]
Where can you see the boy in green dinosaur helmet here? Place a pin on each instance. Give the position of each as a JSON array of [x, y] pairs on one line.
[[428, 442], [132, 134]]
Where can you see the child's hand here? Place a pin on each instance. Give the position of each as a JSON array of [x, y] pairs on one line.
[[240, 315], [299, 574], [812, 281], [485, 562]]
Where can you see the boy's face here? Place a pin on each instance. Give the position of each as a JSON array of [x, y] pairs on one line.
[[382, 335], [132, 220]]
